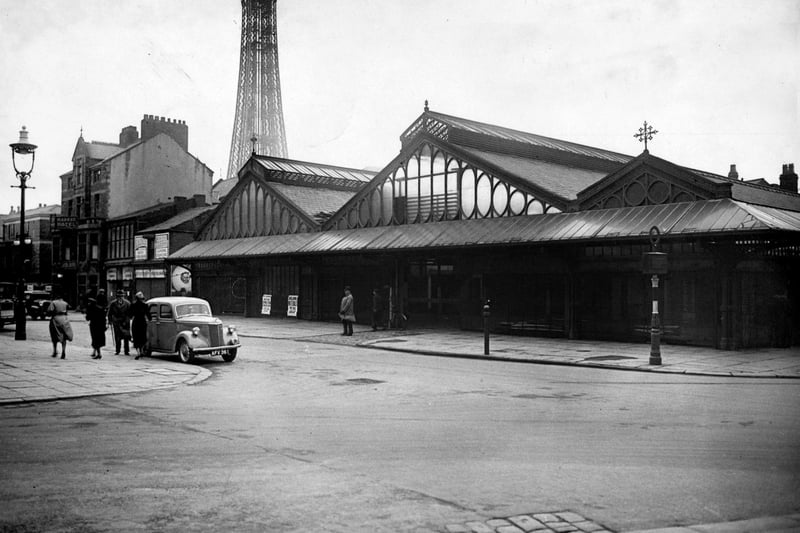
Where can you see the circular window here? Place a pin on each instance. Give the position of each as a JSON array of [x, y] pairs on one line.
[[658, 192], [517, 203], [535, 208], [635, 194]]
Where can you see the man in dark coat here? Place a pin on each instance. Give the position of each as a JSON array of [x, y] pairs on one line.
[[120, 322]]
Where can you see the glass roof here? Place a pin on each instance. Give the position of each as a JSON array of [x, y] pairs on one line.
[[314, 169]]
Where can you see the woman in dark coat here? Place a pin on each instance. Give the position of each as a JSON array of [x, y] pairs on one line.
[[96, 315], [140, 316]]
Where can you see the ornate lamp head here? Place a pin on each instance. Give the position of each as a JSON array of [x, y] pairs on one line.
[[24, 151]]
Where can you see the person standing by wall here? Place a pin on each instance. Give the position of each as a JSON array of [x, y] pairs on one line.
[[60, 328], [96, 315], [120, 325], [347, 313], [140, 316]]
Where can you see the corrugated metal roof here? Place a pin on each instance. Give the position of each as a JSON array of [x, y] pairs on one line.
[[690, 218], [179, 219]]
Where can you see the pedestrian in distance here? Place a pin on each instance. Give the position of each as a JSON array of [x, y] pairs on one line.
[[120, 322], [140, 316], [347, 312], [60, 328], [96, 309]]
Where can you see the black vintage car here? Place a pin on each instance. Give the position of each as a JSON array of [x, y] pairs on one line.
[[6, 303], [36, 304]]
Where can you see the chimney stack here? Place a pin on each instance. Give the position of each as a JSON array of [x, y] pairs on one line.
[[789, 178], [128, 136], [733, 174], [177, 129]]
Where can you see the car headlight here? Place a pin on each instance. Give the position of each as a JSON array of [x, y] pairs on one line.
[[231, 329], [195, 331]]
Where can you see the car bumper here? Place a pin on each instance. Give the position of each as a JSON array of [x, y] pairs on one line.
[[216, 350]]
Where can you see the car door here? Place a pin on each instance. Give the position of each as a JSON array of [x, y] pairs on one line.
[[152, 327], [167, 330]]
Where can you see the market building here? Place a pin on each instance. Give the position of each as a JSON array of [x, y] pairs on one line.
[[550, 233]]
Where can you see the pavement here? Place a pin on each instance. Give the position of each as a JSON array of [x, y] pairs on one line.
[[29, 374]]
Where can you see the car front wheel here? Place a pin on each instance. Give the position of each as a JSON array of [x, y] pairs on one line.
[[229, 355], [185, 352]]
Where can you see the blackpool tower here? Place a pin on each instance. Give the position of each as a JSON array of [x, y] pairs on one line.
[[258, 124]]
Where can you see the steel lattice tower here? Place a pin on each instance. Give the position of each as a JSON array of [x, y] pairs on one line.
[[258, 124]]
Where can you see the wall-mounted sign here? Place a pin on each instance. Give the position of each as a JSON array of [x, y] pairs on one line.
[[266, 304], [111, 274], [292, 308], [140, 248], [161, 247], [59, 222], [150, 273], [181, 280], [127, 273]]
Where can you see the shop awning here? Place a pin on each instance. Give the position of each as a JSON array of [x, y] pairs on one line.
[[711, 217]]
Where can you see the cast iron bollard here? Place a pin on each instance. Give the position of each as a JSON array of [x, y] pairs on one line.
[[486, 328]]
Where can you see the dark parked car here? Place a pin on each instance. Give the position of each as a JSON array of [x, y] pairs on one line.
[[7, 290], [36, 303], [185, 326]]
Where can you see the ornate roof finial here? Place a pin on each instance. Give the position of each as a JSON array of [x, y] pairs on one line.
[[645, 134], [426, 105], [253, 141]]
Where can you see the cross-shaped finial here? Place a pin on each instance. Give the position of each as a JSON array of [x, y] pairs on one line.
[[253, 141], [645, 134]]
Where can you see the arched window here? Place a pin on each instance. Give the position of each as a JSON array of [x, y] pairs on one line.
[[268, 227], [387, 200], [484, 195], [500, 198], [468, 191]]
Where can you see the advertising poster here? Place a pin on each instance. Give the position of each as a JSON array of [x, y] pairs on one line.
[[266, 304], [181, 280], [292, 308]]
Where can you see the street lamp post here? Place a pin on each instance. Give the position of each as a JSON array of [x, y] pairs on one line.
[[654, 263], [23, 156]]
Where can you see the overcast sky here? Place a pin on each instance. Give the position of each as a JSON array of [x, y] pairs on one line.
[[718, 79]]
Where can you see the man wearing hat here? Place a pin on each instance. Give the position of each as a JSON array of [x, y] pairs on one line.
[[347, 313], [120, 321]]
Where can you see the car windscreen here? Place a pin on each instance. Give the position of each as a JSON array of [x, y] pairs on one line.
[[37, 295], [183, 310]]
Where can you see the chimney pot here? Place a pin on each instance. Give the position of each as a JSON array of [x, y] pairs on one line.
[[733, 174], [788, 179]]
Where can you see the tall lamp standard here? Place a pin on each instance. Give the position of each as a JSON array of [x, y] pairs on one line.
[[23, 155]]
